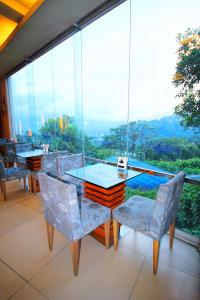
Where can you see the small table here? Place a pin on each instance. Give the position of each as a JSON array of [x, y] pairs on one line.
[[104, 184], [33, 160]]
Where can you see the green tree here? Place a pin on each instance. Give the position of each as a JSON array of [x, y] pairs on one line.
[[116, 139], [187, 78], [62, 134], [170, 149], [138, 134]]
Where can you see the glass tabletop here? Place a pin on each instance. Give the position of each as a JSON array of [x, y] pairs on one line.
[[103, 175], [36, 152]]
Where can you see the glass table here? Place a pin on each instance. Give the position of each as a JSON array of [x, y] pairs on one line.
[[33, 153], [33, 162], [104, 184], [33, 159]]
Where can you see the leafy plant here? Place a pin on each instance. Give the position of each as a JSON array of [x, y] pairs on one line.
[[187, 78]]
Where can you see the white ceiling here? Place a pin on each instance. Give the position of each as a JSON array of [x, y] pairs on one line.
[[50, 20]]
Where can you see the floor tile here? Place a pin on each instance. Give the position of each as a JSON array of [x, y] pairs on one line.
[[27, 292], [167, 284], [9, 282], [136, 242], [32, 202], [14, 191], [14, 215], [25, 248], [182, 257], [103, 274]]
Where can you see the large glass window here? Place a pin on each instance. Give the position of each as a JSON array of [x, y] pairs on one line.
[[105, 83], [22, 100], [108, 91], [42, 98], [158, 141]]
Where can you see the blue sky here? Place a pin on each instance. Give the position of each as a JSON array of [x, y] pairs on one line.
[[154, 27], [105, 64]]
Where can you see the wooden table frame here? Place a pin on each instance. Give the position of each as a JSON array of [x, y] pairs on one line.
[[109, 197], [34, 164]]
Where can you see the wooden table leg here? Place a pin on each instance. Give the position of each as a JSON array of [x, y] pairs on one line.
[[111, 198], [34, 164]]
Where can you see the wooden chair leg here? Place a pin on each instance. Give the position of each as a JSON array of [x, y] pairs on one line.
[[156, 246], [24, 179], [3, 185], [107, 234], [171, 234], [116, 233], [50, 235], [75, 252], [34, 185], [30, 181]]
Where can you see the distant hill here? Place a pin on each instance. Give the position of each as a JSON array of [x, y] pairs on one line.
[[99, 128], [168, 126]]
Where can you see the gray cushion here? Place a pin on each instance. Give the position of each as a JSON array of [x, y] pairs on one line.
[[152, 218], [62, 210]]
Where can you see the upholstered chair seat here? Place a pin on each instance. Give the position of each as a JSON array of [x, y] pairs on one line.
[[48, 165], [74, 220], [8, 174], [136, 213], [9, 153], [151, 217], [67, 163]]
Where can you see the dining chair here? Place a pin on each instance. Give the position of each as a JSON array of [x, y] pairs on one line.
[[67, 163], [153, 218], [8, 174], [63, 212], [48, 165], [3, 141], [22, 148], [9, 153]]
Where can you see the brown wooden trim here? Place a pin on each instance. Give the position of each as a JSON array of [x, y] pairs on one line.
[[75, 253], [16, 6], [101, 238], [22, 22], [107, 234], [111, 198], [10, 13], [106, 197], [156, 246], [116, 233], [171, 234], [50, 235], [34, 163], [110, 204], [102, 190], [4, 114]]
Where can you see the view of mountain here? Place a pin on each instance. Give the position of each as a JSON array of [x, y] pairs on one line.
[[167, 126]]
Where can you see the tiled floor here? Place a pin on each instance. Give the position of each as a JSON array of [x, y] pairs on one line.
[[28, 271]]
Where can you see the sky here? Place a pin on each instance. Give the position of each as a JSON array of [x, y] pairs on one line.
[[154, 27], [108, 92]]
